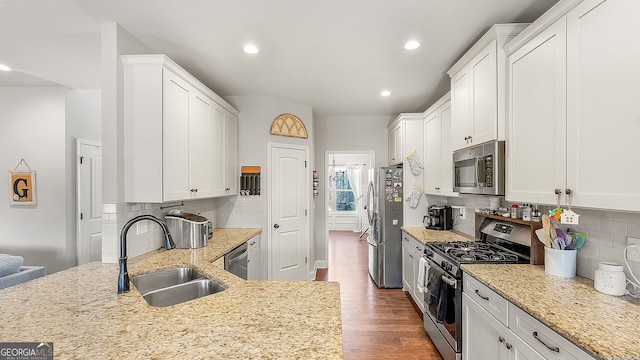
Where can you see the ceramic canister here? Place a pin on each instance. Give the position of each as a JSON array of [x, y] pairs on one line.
[[610, 279]]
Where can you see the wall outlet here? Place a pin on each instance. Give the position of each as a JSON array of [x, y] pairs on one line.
[[461, 212], [633, 254], [142, 227]]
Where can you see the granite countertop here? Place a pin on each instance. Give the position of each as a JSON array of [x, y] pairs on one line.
[[605, 326], [425, 235], [80, 311]]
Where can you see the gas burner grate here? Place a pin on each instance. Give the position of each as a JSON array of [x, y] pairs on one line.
[[475, 252]]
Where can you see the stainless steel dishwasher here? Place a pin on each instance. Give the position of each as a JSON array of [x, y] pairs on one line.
[[235, 261]]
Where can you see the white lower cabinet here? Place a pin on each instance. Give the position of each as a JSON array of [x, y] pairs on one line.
[[412, 251], [493, 328], [253, 258], [485, 337]]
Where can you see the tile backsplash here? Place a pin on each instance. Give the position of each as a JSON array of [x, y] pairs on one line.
[[606, 231]]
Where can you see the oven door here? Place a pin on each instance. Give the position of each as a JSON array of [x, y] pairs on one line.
[[446, 335]]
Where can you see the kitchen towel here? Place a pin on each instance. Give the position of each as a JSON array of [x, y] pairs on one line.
[[435, 287], [420, 282]]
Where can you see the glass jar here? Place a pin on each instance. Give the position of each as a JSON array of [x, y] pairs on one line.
[[514, 211]]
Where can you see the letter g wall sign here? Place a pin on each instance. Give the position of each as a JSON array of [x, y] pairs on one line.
[[22, 188]]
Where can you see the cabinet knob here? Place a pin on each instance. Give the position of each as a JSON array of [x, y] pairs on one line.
[[501, 339], [568, 191], [508, 346], [227, 189], [557, 191], [275, 226]]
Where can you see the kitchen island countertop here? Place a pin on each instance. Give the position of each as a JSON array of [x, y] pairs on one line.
[[79, 310], [605, 326]]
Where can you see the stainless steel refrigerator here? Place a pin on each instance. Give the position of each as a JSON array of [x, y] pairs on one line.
[[384, 211]]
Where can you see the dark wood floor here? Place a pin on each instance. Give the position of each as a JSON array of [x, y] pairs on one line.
[[376, 323]]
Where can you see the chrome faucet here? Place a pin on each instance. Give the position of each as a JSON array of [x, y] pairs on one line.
[[123, 277]]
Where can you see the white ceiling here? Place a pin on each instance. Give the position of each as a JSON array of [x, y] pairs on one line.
[[333, 55]]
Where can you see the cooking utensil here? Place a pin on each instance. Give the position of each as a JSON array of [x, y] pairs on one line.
[[546, 225], [558, 243], [580, 238], [553, 229], [541, 236]]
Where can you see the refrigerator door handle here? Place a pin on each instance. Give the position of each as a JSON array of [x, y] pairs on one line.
[[369, 208]]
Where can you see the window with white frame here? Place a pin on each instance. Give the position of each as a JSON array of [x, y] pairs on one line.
[[341, 194]]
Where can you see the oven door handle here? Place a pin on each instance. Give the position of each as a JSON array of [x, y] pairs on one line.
[[445, 278], [449, 281]]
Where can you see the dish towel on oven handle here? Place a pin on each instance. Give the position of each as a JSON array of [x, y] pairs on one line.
[[420, 282], [438, 295]]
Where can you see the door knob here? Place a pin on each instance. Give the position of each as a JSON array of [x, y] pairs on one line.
[[275, 226]]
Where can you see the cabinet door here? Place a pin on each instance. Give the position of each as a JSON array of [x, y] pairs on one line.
[[200, 146], [517, 349], [483, 336], [446, 153], [536, 118], [432, 155], [408, 277], [231, 172], [484, 92], [395, 144], [417, 250], [461, 122], [175, 128], [253, 260], [218, 150], [603, 114], [391, 140]]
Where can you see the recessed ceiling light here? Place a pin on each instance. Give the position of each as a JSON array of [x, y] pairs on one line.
[[412, 45], [385, 93], [4, 68], [251, 49]]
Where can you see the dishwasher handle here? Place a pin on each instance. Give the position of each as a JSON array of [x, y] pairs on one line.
[[238, 257]]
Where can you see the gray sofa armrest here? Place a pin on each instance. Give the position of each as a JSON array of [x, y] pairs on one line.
[[26, 273]]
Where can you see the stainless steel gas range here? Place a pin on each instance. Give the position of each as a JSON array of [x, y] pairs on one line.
[[500, 242]]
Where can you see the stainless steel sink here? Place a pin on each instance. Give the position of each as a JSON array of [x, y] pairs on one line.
[[174, 286], [183, 292], [164, 278]]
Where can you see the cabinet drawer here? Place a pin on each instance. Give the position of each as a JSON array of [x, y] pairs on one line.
[[544, 340], [495, 304]]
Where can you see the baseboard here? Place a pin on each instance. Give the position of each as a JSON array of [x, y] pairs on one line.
[[319, 264]]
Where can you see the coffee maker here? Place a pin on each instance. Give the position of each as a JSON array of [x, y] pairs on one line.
[[439, 217]]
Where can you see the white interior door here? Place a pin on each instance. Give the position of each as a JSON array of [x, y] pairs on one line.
[[89, 194], [289, 194]]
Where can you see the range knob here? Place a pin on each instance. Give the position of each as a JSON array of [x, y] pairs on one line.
[[428, 252]]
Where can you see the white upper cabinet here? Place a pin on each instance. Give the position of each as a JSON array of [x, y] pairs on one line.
[[395, 142], [537, 118], [438, 162], [574, 73], [477, 90], [177, 146], [603, 107]]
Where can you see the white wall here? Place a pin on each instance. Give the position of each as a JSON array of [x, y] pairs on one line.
[[256, 116], [347, 134], [32, 127]]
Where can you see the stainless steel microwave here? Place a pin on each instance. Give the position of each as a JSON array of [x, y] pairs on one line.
[[479, 169]]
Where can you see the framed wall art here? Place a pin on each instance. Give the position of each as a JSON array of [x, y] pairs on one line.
[[22, 186]]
